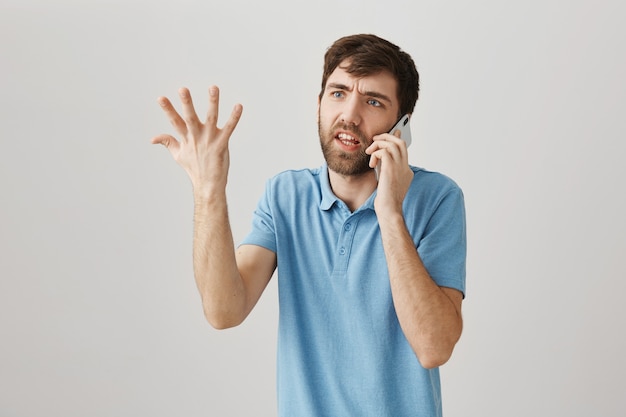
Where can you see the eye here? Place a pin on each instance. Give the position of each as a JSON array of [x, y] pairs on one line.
[[374, 102], [337, 94]]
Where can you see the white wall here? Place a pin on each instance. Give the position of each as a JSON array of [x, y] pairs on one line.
[[522, 104]]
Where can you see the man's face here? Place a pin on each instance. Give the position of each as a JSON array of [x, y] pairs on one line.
[[351, 111]]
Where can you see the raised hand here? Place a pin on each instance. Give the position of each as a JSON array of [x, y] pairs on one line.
[[202, 147]]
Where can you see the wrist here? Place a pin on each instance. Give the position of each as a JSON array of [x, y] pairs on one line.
[[390, 218], [206, 193]]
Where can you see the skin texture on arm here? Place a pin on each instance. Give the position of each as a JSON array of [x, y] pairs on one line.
[[430, 316], [230, 283]]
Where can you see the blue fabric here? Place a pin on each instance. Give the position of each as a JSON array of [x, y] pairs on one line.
[[341, 351]]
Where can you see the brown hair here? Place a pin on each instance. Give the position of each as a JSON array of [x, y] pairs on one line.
[[369, 55]]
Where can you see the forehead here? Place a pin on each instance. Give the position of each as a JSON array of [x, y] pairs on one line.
[[381, 83]]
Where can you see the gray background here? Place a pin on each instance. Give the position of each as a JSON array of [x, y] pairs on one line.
[[522, 103]]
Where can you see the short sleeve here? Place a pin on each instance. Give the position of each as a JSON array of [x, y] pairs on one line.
[[263, 231], [443, 247]]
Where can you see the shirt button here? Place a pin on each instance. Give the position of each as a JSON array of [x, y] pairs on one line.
[[348, 227], [342, 251]]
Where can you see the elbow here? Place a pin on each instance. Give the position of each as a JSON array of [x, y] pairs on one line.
[[435, 355], [433, 360], [436, 350], [219, 324], [221, 320]]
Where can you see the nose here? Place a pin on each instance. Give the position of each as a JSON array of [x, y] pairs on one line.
[[351, 113]]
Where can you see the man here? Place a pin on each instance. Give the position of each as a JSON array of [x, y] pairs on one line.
[[371, 268]]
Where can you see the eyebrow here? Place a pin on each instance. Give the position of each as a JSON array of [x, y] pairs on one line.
[[374, 94]]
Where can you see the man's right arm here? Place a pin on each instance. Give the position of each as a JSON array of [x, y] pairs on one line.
[[230, 283]]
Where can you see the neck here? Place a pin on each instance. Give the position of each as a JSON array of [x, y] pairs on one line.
[[353, 190]]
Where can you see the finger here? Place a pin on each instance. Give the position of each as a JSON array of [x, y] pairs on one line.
[[173, 116], [387, 141], [166, 140], [388, 137], [189, 112], [233, 120], [377, 143], [392, 150], [383, 149], [373, 161], [397, 137], [214, 102], [372, 148]]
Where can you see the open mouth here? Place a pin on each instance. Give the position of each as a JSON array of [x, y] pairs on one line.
[[347, 140]]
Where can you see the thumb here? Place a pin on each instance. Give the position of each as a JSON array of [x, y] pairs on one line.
[[166, 140]]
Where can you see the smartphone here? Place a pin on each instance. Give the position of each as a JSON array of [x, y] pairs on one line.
[[405, 134], [405, 129]]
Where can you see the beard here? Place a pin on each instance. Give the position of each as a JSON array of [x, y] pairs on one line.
[[341, 162]]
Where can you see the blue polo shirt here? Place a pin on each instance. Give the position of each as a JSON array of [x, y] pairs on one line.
[[341, 351]]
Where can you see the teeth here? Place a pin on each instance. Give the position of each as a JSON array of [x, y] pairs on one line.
[[344, 136]]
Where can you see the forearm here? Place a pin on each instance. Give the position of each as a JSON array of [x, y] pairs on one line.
[[215, 266], [429, 318]]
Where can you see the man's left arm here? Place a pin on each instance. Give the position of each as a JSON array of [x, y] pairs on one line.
[[429, 314]]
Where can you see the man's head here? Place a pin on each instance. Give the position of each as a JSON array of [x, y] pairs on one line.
[[368, 83], [370, 54]]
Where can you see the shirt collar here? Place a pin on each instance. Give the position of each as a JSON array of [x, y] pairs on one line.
[[329, 198]]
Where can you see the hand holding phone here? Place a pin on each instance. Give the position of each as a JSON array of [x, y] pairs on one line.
[[405, 134]]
